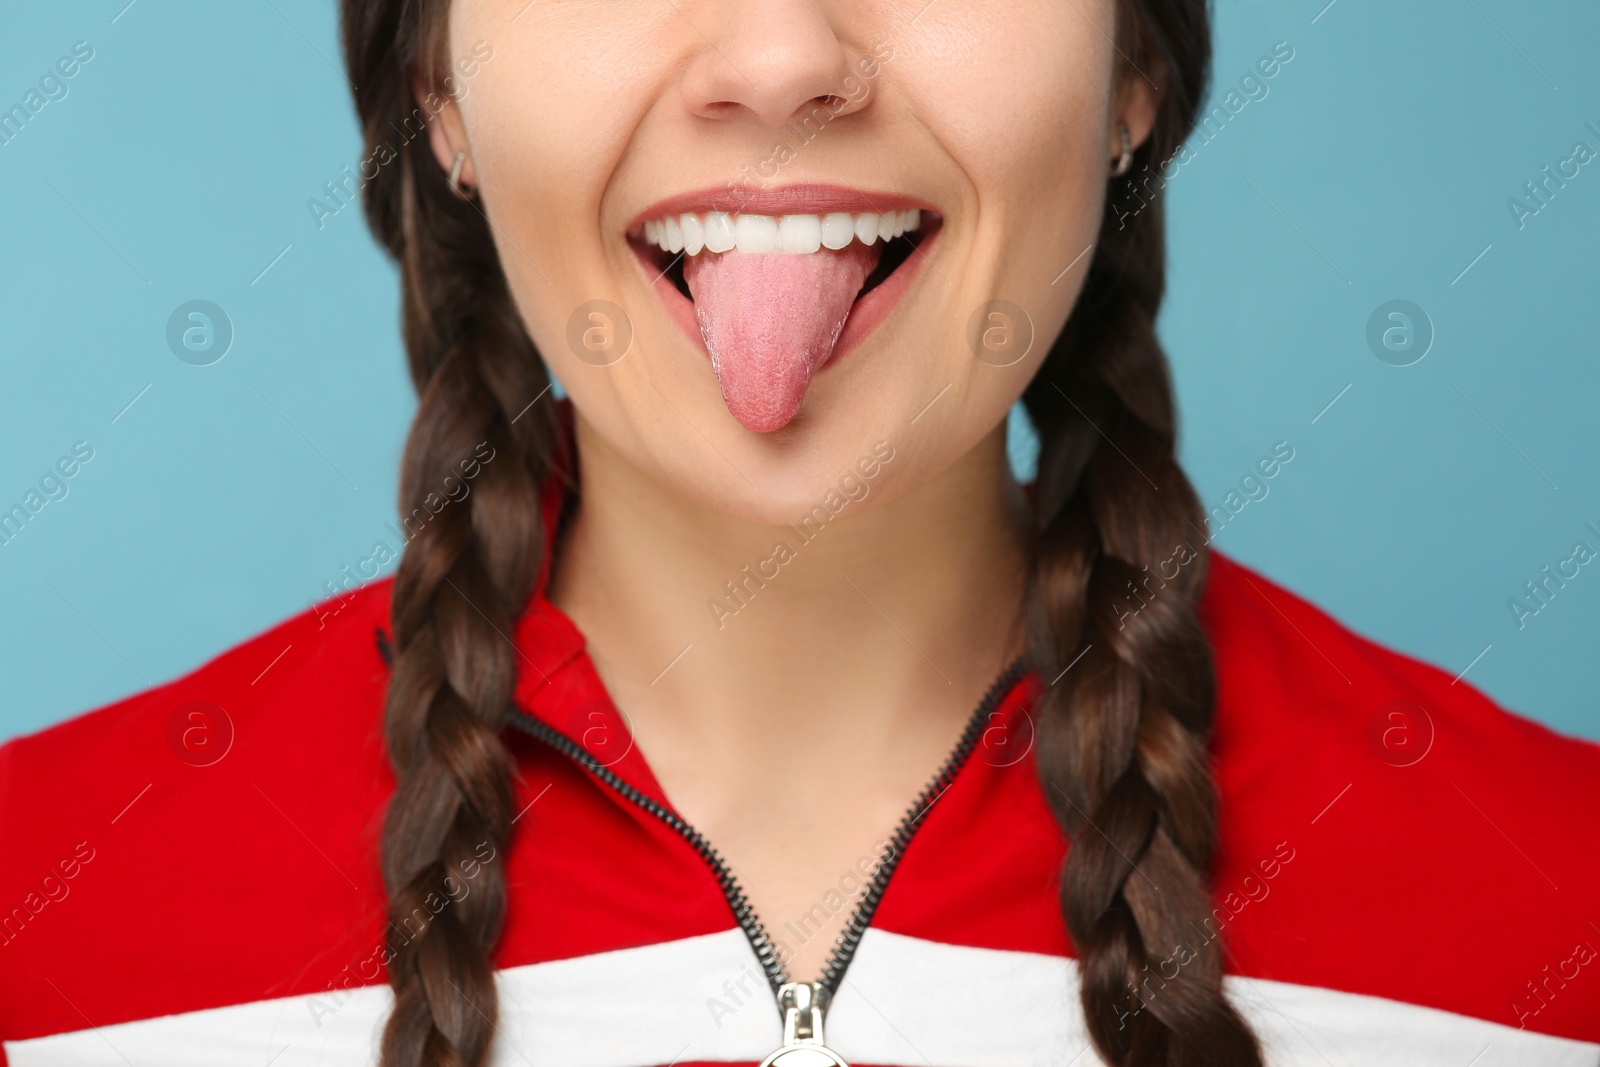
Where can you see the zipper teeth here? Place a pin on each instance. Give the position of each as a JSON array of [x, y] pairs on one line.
[[861, 917], [743, 913]]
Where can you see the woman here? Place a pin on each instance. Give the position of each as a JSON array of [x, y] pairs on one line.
[[743, 707]]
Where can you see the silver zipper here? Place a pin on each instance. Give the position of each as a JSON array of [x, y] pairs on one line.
[[804, 1045]]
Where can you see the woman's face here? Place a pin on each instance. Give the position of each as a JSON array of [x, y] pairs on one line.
[[984, 130]]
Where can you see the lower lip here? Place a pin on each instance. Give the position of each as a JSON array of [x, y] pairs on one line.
[[865, 315]]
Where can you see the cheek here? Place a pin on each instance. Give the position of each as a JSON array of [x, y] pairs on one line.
[[549, 119], [1020, 99], [1019, 95]]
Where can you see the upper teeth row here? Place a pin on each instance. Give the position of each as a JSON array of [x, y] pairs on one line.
[[720, 231]]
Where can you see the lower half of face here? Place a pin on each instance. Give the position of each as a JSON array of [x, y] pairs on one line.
[[753, 241]]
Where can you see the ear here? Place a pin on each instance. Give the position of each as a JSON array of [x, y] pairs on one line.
[[1137, 102], [447, 135]]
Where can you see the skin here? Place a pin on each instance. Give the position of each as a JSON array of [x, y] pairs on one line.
[[796, 734]]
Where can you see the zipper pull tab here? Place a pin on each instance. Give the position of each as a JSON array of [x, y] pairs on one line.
[[802, 1004]]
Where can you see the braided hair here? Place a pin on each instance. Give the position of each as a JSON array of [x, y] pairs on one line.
[[466, 574], [1128, 689]]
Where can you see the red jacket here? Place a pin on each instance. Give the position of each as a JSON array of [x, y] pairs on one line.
[[1407, 874]]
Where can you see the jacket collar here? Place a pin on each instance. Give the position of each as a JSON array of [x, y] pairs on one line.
[[557, 683]]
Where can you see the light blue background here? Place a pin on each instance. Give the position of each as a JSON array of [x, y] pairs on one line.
[[1378, 168]]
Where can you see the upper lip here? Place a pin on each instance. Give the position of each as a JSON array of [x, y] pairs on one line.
[[808, 199]]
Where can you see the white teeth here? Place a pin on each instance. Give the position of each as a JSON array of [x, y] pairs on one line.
[[719, 231], [799, 233], [694, 234], [838, 230], [896, 223], [756, 233]]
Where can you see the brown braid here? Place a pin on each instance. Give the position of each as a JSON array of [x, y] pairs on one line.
[[1122, 733], [465, 576]]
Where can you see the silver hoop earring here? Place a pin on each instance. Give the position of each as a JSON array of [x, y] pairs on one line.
[[1124, 162], [455, 177]]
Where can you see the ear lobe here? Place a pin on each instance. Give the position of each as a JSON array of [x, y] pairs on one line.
[[446, 133], [1138, 102]]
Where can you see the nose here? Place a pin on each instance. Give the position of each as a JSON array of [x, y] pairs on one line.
[[770, 60]]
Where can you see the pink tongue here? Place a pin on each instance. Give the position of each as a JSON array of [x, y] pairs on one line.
[[770, 321]]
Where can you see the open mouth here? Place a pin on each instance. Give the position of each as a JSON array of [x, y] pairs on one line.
[[775, 298]]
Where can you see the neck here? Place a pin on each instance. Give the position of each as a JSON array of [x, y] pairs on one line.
[[729, 629]]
